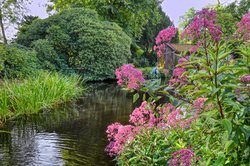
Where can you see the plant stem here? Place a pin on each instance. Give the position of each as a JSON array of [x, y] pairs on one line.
[[216, 82], [206, 53], [205, 47]]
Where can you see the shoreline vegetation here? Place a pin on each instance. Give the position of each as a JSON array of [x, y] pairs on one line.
[[31, 95]]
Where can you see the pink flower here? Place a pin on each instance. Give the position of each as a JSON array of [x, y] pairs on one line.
[[204, 21], [129, 76], [166, 109], [174, 118], [118, 135], [245, 78], [183, 157], [237, 91], [178, 71], [244, 26], [215, 32], [143, 116], [199, 103], [195, 48], [175, 81], [183, 59], [163, 37], [166, 72]]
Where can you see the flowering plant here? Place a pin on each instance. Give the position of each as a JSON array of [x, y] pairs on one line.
[[164, 37], [207, 119]]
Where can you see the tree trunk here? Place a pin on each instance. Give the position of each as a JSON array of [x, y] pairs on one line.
[[2, 28]]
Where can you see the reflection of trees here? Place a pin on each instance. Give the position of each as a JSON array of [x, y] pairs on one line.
[[79, 126]]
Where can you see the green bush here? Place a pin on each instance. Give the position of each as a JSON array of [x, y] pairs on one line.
[[48, 58], [150, 147], [36, 92], [16, 62], [77, 39]]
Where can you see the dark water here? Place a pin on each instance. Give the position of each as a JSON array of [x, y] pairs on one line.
[[73, 134]]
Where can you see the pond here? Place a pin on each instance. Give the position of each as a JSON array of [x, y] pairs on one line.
[[73, 134]]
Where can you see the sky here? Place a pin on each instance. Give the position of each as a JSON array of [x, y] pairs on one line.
[[173, 8], [176, 8]]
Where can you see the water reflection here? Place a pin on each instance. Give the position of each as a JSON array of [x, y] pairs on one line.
[[70, 135]]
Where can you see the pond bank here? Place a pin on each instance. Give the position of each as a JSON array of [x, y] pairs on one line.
[[36, 93]]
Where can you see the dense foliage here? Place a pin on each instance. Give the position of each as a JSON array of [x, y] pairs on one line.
[[76, 40], [16, 62], [146, 56], [206, 121], [132, 16]]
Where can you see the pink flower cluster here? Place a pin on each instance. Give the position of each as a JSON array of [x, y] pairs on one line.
[[143, 116], [203, 22], [164, 36], [183, 157], [179, 71], [195, 48], [244, 26], [183, 60], [245, 79], [128, 75], [178, 78], [199, 103], [118, 135], [172, 117]]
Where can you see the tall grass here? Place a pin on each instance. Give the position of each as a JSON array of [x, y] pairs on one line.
[[37, 92], [4, 104]]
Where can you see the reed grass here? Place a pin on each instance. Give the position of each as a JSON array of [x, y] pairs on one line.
[[36, 93]]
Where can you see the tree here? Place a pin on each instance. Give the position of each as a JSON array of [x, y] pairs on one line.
[[11, 11], [238, 9], [75, 40], [228, 15], [187, 18], [27, 20], [146, 56], [131, 15], [151, 30]]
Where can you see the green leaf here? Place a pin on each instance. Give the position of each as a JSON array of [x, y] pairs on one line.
[[214, 91], [135, 97], [228, 145], [227, 125], [219, 161], [246, 131], [221, 56]]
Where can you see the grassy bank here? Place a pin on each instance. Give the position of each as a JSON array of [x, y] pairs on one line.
[[35, 93]]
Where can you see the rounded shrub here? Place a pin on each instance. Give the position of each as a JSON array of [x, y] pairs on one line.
[[16, 62], [91, 47]]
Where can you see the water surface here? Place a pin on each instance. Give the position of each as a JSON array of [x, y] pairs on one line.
[[73, 134]]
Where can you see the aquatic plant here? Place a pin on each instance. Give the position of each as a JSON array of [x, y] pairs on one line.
[[37, 92]]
